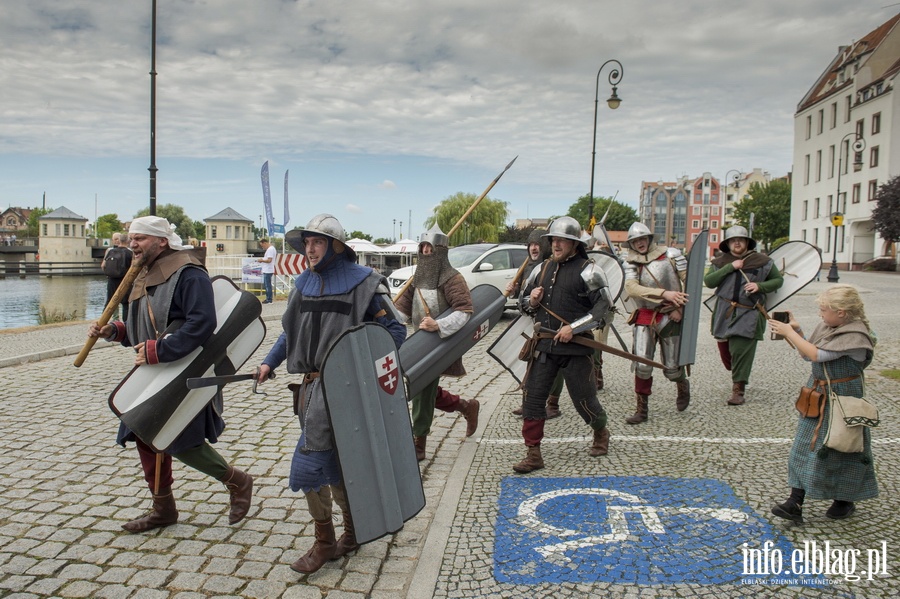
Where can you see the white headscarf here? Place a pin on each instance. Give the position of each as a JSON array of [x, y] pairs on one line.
[[157, 226]]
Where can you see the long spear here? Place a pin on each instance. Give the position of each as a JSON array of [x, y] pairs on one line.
[[111, 307], [461, 221]]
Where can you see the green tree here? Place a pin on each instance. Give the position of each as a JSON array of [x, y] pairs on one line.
[[512, 234], [107, 224], [184, 226], [771, 206], [382, 241], [886, 215], [359, 235], [34, 225], [485, 223], [199, 230], [621, 216]]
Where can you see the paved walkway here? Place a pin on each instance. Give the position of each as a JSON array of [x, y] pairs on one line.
[[673, 492]]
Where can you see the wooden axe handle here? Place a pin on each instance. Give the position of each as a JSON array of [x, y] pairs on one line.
[[111, 307]]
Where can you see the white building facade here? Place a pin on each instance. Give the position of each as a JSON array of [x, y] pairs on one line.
[[844, 130]]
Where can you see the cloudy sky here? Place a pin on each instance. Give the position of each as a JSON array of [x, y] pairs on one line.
[[382, 108]]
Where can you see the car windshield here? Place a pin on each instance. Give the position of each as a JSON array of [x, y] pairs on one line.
[[465, 255]]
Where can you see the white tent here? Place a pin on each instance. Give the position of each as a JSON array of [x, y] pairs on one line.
[[404, 246], [362, 246]]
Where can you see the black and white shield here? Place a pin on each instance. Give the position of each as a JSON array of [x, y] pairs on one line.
[[372, 432], [153, 399]]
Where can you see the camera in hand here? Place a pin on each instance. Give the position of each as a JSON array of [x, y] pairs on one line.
[[780, 317]]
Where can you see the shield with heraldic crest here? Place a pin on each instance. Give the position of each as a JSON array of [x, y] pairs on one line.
[[388, 372]]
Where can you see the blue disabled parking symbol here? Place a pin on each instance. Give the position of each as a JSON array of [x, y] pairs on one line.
[[626, 530]]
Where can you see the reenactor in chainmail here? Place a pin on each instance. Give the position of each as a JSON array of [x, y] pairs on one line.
[[654, 281], [436, 288]]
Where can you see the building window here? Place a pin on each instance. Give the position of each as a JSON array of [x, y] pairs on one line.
[[821, 125], [806, 170], [827, 240], [873, 189], [696, 210], [715, 211], [816, 211], [819, 165], [228, 232], [805, 209], [816, 236], [213, 232], [803, 235], [833, 115], [860, 125], [714, 237], [876, 123], [873, 157], [66, 230], [808, 126], [830, 207], [695, 223], [44, 229], [58, 230], [848, 104], [855, 196], [831, 162], [714, 224]]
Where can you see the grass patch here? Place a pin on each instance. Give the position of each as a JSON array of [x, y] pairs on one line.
[[892, 373], [47, 317]]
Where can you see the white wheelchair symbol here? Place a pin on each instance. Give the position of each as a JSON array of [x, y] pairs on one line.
[[618, 523]]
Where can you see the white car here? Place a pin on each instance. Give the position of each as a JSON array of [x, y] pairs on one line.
[[478, 263]]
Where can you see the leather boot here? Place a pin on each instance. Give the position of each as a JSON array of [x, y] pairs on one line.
[[347, 542], [323, 549], [684, 395], [469, 409], [240, 486], [553, 407], [533, 461], [163, 513], [601, 442], [640, 414], [737, 394], [419, 442], [518, 411]]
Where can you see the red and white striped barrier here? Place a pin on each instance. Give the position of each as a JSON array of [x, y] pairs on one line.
[[290, 264]]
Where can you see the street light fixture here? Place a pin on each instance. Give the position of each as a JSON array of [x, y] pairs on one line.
[[837, 217], [615, 76]]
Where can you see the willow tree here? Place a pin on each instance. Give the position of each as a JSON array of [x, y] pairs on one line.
[[485, 223]]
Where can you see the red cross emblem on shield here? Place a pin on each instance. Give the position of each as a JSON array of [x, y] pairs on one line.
[[388, 374]]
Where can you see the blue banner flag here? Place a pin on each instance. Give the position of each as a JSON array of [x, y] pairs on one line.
[[267, 197], [287, 212]]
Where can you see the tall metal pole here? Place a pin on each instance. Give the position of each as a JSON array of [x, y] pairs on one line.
[[737, 179], [153, 168], [837, 216], [615, 76]]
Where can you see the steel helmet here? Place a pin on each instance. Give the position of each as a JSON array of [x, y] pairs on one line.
[[734, 232], [435, 237], [324, 225], [565, 227], [636, 231]]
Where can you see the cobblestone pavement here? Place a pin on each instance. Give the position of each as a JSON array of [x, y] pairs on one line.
[[66, 488]]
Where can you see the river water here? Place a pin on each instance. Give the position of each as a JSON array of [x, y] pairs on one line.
[[21, 299]]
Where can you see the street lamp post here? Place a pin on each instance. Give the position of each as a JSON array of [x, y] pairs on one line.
[[395, 230], [615, 76], [837, 217]]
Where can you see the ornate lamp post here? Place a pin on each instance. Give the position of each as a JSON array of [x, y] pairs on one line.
[[615, 76], [837, 217]]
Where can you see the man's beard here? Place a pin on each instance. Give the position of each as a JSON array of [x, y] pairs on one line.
[[562, 257]]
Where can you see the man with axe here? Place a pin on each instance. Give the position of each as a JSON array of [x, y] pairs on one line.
[[172, 313], [567, 296]]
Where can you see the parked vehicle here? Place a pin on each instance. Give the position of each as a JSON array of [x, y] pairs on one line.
[[478, 263]]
